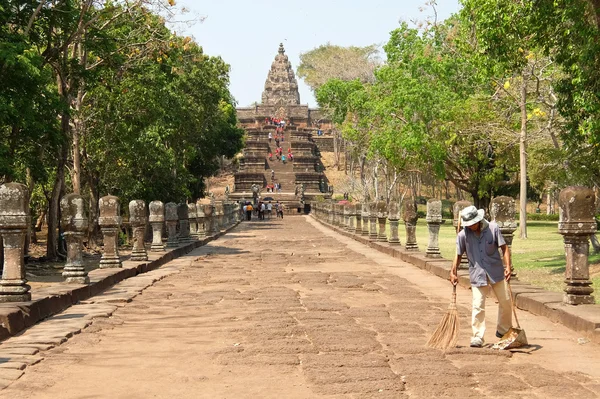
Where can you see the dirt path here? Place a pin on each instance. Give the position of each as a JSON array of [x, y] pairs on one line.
[[288, 309]]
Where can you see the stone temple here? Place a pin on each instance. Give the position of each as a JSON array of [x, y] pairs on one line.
[[306, 132]]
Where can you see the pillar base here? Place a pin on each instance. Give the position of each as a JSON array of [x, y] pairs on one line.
[[433, 254], [112, 262], [139, 258], [172, 244], [75, 273], [411, 247], [14, 291], [157, 248], [77, 280], [571, 299], [394, 242]]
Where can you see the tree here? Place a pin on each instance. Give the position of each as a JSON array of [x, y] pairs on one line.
[[329, 61]]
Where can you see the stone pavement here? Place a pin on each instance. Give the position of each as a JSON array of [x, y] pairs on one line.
[[284, 309]]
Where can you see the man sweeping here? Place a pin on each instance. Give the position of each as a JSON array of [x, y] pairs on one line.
[[480, 240]]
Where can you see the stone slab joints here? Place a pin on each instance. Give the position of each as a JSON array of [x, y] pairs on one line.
[[584, 319], [17, 316]]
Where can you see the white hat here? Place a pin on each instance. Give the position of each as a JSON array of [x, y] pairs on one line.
[[471, 215]]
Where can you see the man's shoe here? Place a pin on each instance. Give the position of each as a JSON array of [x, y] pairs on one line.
[[498, 335], [476, 342]]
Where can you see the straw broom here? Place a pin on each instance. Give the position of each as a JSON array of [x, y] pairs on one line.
[[446, 334]]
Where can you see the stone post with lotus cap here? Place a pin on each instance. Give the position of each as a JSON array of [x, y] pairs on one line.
[[365, 214], [456, 210], [193, 219], [110, 225], [184, 223], [157, 221], [373, 221], [137, 219], [358, 221], [74, 220], [576, 224], [201, 219], [434, 220], [14, 222], [410, 222], [503, 211], [394, 218], [382, 214], [171, 220]]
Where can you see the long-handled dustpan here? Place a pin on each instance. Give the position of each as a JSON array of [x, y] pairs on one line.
[[515, 337]]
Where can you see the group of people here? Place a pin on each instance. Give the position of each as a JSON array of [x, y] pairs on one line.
[[262, 209], [281, 156], [274, 187], [275, 121]]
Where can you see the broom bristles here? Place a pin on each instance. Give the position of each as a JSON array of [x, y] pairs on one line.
[[446, 334]]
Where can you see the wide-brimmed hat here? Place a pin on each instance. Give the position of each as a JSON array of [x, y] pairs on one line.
[[471, 215]]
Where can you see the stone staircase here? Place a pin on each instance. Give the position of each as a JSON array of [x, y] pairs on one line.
[[256, 168]]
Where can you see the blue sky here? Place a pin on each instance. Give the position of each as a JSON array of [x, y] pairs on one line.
[[246, 34]]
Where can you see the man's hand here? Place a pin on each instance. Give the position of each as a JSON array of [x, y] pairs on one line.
[[453, 278], [507, 273]]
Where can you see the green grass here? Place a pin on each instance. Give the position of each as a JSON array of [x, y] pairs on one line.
[[538, 260]]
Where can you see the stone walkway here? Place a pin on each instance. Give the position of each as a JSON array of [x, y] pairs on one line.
[[284, 309]]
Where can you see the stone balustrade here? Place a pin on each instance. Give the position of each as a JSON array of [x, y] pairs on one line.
[[192, 220], [577, 224]]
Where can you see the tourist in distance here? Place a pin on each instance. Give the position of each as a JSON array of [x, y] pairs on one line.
[[480, 241], [270, 136], [261, 211], [248, 209], [283, 158], [269, 209]]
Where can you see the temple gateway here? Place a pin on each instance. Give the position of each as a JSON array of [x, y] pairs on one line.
[[293, 127]]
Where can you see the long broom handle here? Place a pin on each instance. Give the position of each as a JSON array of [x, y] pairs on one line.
[[512, 303]]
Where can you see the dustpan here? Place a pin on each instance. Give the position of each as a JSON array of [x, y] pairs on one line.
[[515, 337]]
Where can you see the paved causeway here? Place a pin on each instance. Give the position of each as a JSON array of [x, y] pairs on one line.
[[284, 309]]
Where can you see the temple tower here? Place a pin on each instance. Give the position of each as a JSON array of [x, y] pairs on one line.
[[281, 87]]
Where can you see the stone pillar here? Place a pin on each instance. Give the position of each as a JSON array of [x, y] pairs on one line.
[[373, 221], [193, 220], [201, 219], [382, 214], [366, 217], [14, 222], [456, 209], [157, 221], [184, 223], [358, 216], [352, 217], [577, 224], [75, 223], [394, 217], [347, 216], [503, 211], [171, 220], [330, 214], [209, 222], [219, 216], [110, 224], [434, 220], [410, 223], [138, 219]]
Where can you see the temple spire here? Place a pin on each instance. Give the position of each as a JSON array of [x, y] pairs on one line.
[[281, 87]]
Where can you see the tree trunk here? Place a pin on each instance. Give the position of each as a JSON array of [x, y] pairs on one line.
[[52, 251], [595, 243], [523, 160]]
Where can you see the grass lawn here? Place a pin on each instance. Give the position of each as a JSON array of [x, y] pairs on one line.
[[538, 260]]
